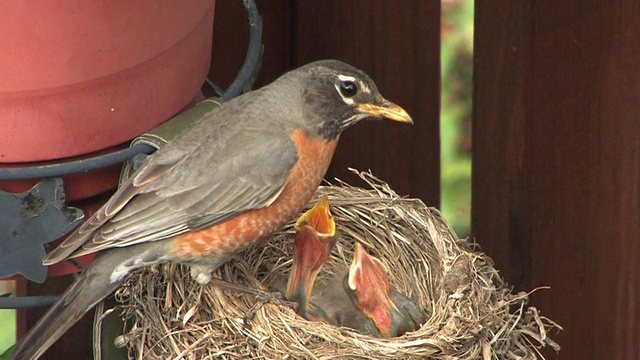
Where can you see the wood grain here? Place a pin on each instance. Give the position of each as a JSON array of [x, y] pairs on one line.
[[556, 173]]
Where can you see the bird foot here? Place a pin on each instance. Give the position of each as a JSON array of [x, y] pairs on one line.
[[278, 298], [201, 274], [274, 297], [262, 297]]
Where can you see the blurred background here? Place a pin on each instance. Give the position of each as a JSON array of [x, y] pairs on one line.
[[7, 319], [455, 113]]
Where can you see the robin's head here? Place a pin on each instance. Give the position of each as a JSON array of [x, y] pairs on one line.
[[368, 286], [312, 248], [339, 95]]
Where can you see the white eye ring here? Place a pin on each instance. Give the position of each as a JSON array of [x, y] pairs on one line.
[[345, 78], [348, 89], [360, 84], [347, 98]]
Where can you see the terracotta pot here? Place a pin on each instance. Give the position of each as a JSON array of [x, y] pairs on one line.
[[78, 76]]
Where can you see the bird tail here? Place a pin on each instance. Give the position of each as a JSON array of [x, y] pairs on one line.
[[93, 285]]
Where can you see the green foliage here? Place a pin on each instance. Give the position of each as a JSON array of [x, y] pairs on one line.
[[8, 333], [7, 326], [455, 114]]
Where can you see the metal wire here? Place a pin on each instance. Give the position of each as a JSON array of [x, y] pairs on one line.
[[44, 171], [252, 59], [27, 302]]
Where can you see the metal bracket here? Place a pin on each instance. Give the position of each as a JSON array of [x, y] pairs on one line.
[[28, 221]]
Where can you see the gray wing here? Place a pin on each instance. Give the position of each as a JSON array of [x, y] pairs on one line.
[[188, 185]]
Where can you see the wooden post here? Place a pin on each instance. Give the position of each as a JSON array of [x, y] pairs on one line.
[[556, 154]]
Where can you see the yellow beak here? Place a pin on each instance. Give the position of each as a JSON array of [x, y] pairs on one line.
[[319, 218], [387, 110]]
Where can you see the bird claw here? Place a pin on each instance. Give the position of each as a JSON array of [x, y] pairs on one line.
[[277, 297], [273, 297], [262, 297]]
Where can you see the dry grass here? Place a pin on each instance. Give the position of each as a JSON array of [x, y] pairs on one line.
[[473, 313]]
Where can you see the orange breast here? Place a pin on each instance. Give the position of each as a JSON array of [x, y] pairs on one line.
[[252, 226]]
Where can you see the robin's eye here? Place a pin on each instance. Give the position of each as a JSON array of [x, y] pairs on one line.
[[348, 89]]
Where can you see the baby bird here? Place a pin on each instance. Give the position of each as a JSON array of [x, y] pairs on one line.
[[368, 286], [311, 250]]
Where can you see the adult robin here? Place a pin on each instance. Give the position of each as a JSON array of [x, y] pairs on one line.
[[314, 240], [368, 286], [231, 179]]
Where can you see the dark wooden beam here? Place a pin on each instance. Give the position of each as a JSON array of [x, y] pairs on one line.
[[556, 174]]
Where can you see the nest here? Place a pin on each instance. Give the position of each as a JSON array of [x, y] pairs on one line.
[[473, 314]]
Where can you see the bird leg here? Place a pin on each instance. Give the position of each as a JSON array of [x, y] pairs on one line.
[[276, 297], [203, 275], [262, 297]]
